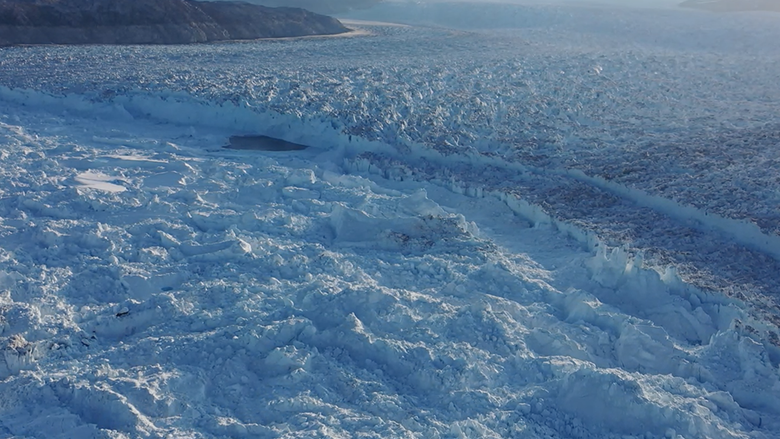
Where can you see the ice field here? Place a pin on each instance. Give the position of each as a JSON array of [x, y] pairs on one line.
[[565, 225]]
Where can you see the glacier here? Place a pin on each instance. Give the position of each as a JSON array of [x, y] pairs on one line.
[[561, 226]]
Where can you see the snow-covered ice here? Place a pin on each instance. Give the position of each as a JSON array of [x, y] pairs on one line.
[[488, 236]]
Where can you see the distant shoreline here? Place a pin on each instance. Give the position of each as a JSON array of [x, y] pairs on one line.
[[733, 5], [351, 32], [352, 22]]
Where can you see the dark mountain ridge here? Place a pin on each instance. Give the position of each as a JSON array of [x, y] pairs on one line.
[[152, 22]]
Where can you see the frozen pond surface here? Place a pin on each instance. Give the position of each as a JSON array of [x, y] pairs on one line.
[[565, 227]]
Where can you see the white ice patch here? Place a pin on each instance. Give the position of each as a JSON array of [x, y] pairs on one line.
[[99, 181]]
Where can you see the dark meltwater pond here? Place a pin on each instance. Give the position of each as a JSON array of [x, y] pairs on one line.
[[262, 143]]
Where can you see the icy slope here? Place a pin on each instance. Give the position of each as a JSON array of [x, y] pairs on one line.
[[682, 125], [156, 285], [440, 263], [673, 105]]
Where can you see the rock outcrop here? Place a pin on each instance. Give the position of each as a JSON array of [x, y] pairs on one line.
[[152, 22]]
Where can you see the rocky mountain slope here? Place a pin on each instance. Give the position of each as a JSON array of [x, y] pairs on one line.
[[320, 6], [152, 22]]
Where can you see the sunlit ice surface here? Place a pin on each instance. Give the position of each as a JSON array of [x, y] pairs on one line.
[[524, 221]]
